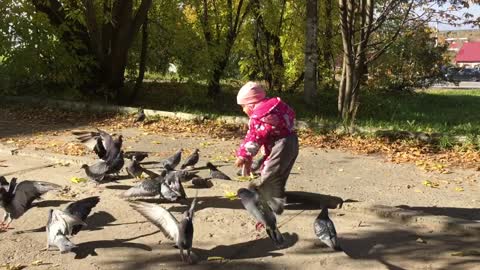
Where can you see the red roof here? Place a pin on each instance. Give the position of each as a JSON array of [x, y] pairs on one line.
[[470, 52]]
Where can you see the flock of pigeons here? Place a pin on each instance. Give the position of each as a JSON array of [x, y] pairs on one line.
[[262, 201]]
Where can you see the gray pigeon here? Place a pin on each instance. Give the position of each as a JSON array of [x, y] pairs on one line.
[[139, 155], [62, 224], [4, 183], [261, 211], [108, 150], [191, 160], [325, 230], [18, 198], [173, 160], [152, 188], [140, 116], [182, 175], [215, 173], [180, 232], [133, 168], [98, 171]]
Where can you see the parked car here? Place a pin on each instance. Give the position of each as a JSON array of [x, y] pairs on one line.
[[457, 75]]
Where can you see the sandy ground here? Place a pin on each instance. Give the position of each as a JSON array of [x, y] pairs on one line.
[[117, 237]]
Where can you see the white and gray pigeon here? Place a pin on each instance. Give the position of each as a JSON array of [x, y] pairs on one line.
[[134, 168], [66, 223], [263, 214], [216, 173], [191, 160], [325, 229], [180, 232], [16, 199], [173, 160]]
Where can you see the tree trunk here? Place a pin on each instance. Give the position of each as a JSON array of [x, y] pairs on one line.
[[311, 55], [143, 63], [106, 42]]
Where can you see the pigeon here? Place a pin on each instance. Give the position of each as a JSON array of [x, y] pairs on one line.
[[215, 173], [98, 171], [182, 175], [18, 198], [139, 155], [4, 183], [173, 160], [180, 232], [200, 182], [62, 224], [261, 211], [191, 160], [256, 164], [140, 116], [133, 168], [151, 188], [109, 147], [325, 229]]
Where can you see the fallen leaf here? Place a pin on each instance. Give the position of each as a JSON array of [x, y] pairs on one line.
[[37, 263], [431, 184], [215, 258], [231, 195], [459, 189], [156, 142], [463, 253], [420, 240], [78, 180]]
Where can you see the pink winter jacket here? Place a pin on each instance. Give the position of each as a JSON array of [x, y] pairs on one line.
[[271, 119]]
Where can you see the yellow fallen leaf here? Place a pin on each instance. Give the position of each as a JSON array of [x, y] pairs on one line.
[[215, 258], [37, 262], [459, 189], [10, 141], [78, 180], [431, 184], [463, 253], [231, 195], [243, 178], [156, 142]]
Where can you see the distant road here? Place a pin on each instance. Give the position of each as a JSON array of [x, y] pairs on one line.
[[462, 85]]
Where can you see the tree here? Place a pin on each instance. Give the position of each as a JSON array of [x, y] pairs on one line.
[[311, 54], [364, 40], [220, 25], [104, 31]]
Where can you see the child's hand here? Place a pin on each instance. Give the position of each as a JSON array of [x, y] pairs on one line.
[[239, 162]]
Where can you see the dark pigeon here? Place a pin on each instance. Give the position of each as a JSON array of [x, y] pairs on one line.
[[191, 160], [200, 182], [62, 224], [180, 232], [17, 198], [134, 168], [173, 160], [139, 155], [140, 116], [215, 173], [325, 229]]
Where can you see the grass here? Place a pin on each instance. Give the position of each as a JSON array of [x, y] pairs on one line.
[[452, 112]]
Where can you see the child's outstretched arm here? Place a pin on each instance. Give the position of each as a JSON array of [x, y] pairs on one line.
[[256, 136]]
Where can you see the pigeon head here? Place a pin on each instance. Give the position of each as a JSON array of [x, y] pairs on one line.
[[211, 166], [244, 193], [323, 214], [197, 150], [84, 166], [167, 167]]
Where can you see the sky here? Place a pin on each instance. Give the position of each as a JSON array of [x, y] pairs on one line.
[[473, 9]]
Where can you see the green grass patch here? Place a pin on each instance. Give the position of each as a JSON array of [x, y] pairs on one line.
[[452, 112]]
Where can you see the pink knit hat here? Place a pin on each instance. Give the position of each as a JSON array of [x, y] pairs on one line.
[[250, 93]]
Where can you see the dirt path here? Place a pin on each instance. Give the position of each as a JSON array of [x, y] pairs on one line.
[[418, 227]]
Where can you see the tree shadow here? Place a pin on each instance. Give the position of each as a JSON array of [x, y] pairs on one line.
[[454, 212], [83, 250], [401, 246]]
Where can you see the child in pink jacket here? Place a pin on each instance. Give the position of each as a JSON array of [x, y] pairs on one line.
[[271, 125]]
